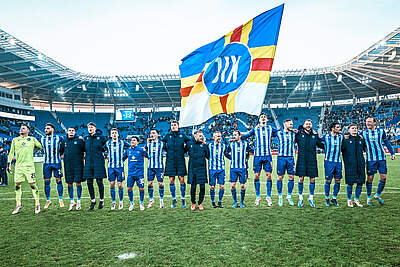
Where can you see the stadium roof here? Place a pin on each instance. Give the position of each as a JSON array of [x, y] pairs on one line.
[[376, 71]]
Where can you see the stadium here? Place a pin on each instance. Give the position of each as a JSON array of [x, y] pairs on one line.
[[36, 90]]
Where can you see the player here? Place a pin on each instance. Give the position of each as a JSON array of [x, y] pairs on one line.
[[333, 162], [238, 151], [115, 148], [262, 155], [52, 164], [307, 142], [135, 155], [22, 149], [155, 149], [376, 158], [73, 149], [216, 166], [285, 160]]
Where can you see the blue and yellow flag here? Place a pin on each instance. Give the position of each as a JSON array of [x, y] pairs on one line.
[[231, 74]]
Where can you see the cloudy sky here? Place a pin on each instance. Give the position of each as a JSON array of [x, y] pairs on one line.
[[145, 37]]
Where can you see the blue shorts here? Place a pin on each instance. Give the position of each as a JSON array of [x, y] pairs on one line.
[[262, 162], [50, 169], [375, 166], [333, 170], [116, 174], [285, 164], [132, 179], [217, 176], [159, 172], [238, 173]]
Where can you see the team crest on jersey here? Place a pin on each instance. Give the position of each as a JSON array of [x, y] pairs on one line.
[[360, 142], [98, 138], [180, 135], [75, 142], [29, 139]]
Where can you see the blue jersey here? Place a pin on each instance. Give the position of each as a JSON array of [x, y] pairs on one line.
[[216, 161], [155, 154], [374, 140], [135, 158], [263, 136], [238, 151], [286, 143], [115, 153], [333, 147], [51, 147]]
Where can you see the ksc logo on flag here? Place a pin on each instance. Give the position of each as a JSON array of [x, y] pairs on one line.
[[231, 74]]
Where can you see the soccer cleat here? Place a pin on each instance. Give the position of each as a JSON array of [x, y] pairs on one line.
[[213, 205], [101, 204], [151, 202], [358, 204], [380, 200], [183, 203], [350, 203], [113, 205], [131, 206], [61, 202], [193, 207], [220, 205], [289, 199], [235, 204], [121, 205], [173, 204], [92, 205], [257, 202], [37, 209], [312, 203], [369, 202], [269, 201], [141, 206], [72, 204], [17, 209], [300, 204], [334, 202], [161, 203], [78, 205], [47, 205], [242, 206], [327, 202], [201, 208], [280, 202]]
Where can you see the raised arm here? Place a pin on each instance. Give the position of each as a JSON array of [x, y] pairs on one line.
[[248, 134]]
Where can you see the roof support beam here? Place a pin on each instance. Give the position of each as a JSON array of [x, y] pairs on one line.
[[359, 81], [374, 78], [345, 85]]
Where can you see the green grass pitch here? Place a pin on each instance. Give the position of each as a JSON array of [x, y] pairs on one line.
[[254, 236]]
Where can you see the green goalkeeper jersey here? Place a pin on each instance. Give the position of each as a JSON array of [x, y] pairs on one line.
[[22, 148]]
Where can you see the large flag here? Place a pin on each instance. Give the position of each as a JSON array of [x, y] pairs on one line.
[[231, 74]]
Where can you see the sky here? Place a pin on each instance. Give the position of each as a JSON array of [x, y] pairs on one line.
[[127, 37]]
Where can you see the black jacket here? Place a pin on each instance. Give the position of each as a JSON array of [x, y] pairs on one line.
[[307, 144], [73, 150], [198, 153], [175, 143], [353, 157], [3, 159], [94, 157]]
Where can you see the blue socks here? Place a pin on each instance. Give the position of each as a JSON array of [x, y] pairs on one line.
[[212, 194], [112, 192], [336, 188], [381, 185], [47, 189], [79, 191], [257, 187], [327, 188], [60, 189], [312, 188], [234, 196], [172, 188], [290, 186], [71, 192], [349, 191], [242, 195], [220, 194], [130, 195], [368, 185], [183, 191], [141, 196], [269, 188], [301, 187], [279, 187], [151, 190], [358, 191], [121, 194], [161, 191]]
